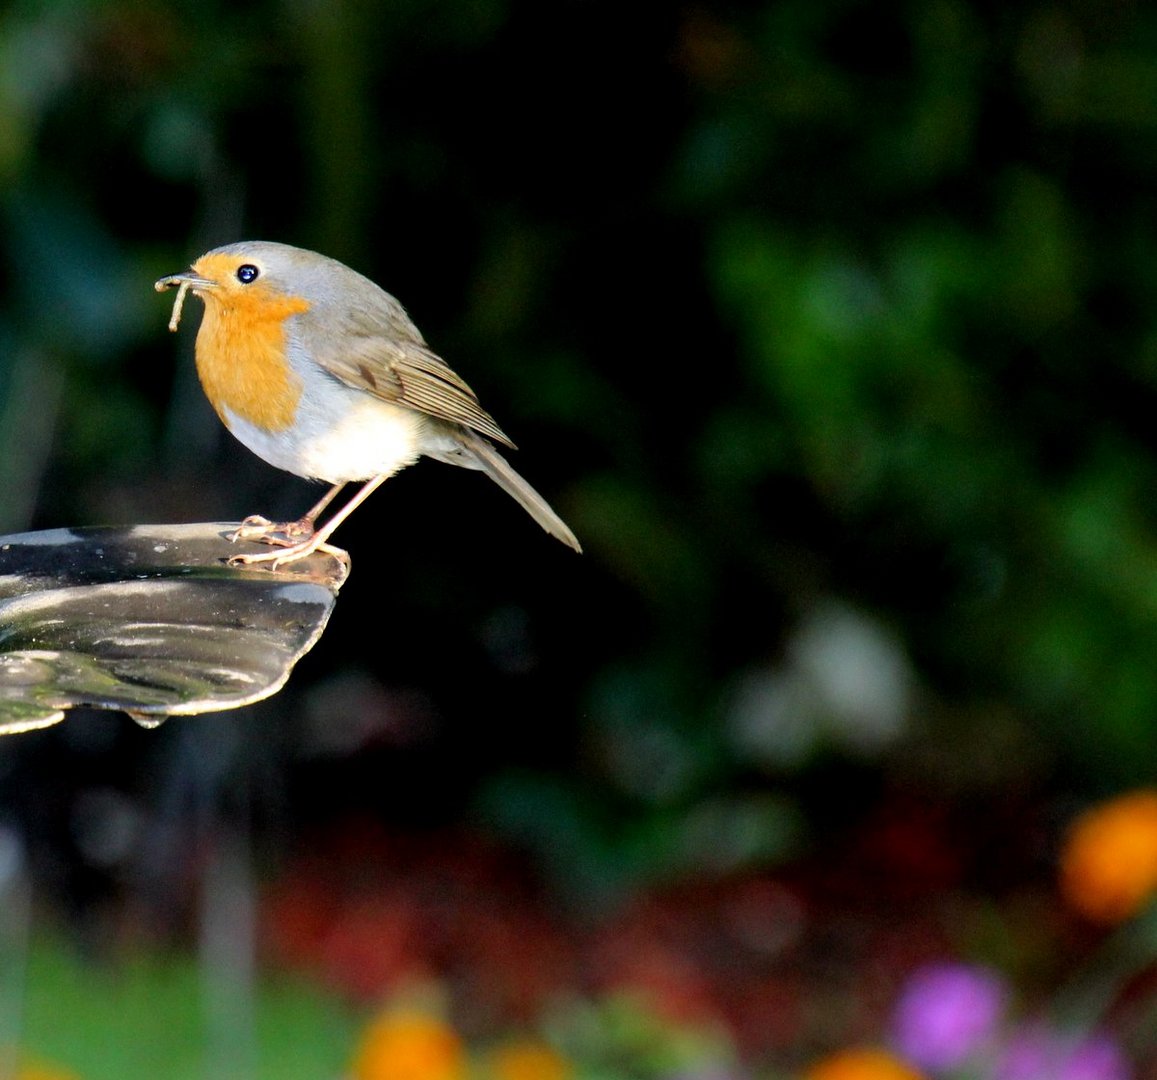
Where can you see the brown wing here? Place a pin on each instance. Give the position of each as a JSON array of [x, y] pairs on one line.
[[383, 353]]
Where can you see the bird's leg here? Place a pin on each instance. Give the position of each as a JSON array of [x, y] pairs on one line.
[[317, 539], [304, 525], [262, 530]]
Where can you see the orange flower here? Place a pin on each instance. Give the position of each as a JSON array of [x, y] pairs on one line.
[[31, 1068], [45, 1072], [528, 1060], [1109, 859], [407, 1044], [865, 1063]]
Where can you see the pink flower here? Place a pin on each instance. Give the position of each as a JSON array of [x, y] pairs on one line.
[[947, 1013], [1037, 1053]]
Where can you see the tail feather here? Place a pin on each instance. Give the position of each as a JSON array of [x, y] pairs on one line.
[[502, 473]]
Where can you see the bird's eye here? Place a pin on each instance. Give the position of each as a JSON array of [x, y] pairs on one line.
[[247, 274]]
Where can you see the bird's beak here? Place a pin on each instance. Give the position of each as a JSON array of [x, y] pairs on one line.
[[182, 282], [186, 279]]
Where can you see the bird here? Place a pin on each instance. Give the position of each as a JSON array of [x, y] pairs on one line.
[[320, 372]]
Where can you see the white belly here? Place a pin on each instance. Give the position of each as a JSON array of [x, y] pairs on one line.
[[337, 436]]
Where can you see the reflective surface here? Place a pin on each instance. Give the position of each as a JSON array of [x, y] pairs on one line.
[[149, 619]]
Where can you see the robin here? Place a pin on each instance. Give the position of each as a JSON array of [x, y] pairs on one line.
[[321, 373]]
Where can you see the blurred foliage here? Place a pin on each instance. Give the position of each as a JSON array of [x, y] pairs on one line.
[[299, 1032], [826, 324]]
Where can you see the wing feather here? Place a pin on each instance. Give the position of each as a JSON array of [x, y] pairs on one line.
[[383, 353]]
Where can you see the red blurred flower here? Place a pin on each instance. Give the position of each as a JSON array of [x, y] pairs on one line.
[[375, 945]]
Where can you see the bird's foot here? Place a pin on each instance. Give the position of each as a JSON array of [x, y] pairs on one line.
[[290, 553], [283, 534]]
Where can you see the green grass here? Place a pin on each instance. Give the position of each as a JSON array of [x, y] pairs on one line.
[[146, 1015]]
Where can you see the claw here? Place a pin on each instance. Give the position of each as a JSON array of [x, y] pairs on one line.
[[254, 527], [263, 531], [297, 539], [291, 553]]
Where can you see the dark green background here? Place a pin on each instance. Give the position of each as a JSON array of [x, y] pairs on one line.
[[804, 314]]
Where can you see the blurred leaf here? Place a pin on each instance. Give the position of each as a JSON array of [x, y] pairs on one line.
[[80, 290]]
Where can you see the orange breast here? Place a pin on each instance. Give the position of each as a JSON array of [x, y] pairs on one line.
[[241, 356]]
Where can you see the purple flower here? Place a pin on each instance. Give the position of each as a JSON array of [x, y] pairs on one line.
[[946, 1014], [1036, 1053]]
